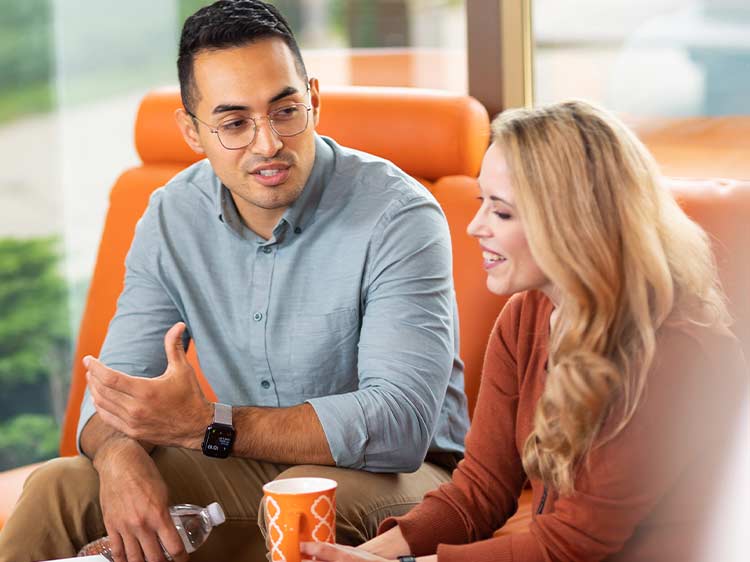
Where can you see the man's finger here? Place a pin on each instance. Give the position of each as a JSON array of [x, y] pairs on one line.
[[116, 547], [133, 551], [172, 543], [173, 344], [113, 421], [110, 377], [100, 391], [152, 548]]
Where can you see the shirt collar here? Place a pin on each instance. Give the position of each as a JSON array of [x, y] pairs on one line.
[[299, 214]]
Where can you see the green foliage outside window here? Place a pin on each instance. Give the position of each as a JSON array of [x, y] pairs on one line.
[[34, 350]]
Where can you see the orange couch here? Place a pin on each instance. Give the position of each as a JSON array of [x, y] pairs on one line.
[[429, 134], [438, 138]]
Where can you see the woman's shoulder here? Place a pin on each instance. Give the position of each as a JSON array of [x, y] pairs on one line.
[[523, 323], [526, 310]]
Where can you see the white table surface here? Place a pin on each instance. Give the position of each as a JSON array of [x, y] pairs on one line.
[[97, 558]]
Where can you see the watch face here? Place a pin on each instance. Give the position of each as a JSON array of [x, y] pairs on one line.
[[218, 440]]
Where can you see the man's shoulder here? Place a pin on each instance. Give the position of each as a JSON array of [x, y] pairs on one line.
[[189, 190], [199, 176], [363, 172]]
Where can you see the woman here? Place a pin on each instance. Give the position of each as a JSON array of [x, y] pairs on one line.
[[611, 379]]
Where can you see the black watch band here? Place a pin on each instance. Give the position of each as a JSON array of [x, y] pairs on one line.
[[407, 558]]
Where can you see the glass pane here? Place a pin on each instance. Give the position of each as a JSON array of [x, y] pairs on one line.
[[645, 57], [72, 74], [420, 43]]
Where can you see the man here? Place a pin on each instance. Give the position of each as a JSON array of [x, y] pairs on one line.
[[315, 282]]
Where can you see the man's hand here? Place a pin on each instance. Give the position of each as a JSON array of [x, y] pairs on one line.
[[134, 504], [168, 410]]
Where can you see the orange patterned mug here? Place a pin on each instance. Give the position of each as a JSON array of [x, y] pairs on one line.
[[298, 509]]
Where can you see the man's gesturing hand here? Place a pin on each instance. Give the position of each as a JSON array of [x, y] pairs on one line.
[[168, 410]]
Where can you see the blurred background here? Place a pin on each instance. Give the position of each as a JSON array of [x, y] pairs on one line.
[[72, 73]]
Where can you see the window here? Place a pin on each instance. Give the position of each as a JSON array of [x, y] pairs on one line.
[[667, 58]]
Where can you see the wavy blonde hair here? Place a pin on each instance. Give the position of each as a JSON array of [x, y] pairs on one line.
[[625, 259]]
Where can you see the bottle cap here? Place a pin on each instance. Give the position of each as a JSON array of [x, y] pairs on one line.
[[216, 514]]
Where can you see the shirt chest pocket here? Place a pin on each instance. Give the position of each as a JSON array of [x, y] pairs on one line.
[[323, 354]]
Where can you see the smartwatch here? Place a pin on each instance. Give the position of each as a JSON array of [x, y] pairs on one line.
[[219, 436]]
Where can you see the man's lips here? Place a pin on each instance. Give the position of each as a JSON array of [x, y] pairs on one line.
[[271, 174]]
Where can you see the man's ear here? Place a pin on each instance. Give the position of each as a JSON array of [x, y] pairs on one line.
[[315, 100], [188, 129]]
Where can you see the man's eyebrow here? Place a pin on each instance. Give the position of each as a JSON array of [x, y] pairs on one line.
[[224, 107], [288, 91]]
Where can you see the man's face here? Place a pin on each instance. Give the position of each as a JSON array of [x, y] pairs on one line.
[[250, 81]]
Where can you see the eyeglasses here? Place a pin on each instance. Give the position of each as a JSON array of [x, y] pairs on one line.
[[239, 132]]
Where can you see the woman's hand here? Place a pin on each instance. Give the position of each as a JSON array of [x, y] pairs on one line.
[[326, 552]]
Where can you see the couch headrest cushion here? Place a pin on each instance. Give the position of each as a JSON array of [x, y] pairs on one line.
[[428, 133]]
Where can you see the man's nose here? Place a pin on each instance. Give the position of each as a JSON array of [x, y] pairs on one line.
[[266, 143]]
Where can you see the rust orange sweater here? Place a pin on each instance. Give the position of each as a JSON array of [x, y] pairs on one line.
[[643, 496]]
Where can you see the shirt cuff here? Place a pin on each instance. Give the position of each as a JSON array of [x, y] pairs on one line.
[[87, 412], [343, 421]]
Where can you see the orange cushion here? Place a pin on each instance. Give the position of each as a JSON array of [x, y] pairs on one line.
[[427, 133], [477, 307]]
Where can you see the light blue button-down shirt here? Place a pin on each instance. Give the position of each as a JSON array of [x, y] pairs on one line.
[[349, 306]]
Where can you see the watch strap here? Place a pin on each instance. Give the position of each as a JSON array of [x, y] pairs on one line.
[[407, 558], [222, 413]]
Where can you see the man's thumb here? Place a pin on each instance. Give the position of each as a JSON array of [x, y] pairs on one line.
[[173, 344]]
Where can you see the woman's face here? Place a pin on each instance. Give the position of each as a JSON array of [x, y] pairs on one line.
[[498, 228]]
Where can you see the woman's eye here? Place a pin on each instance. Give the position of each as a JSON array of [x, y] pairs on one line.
[[503, 216]]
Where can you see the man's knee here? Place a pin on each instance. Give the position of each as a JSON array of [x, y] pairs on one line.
[[73, 476]]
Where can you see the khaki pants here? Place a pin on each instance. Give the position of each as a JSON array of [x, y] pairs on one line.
[[58, 511]]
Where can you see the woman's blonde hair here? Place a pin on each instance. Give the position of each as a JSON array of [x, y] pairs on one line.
[[625, 259]]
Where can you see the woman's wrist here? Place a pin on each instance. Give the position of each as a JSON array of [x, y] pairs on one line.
[[390, 544]]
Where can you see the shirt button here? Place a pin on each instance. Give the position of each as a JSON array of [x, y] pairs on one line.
[[258, 316], [267, 250], [265, 384]]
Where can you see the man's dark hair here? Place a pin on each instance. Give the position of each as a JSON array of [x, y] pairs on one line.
[[226, 24]]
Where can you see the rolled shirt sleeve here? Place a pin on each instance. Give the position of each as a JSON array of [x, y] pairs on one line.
[[406, 346]]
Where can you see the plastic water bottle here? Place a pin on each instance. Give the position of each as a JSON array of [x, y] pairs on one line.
[[193, 524]]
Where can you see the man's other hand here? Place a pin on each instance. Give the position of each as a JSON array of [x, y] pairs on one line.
[[168, 410], [134, 504]]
